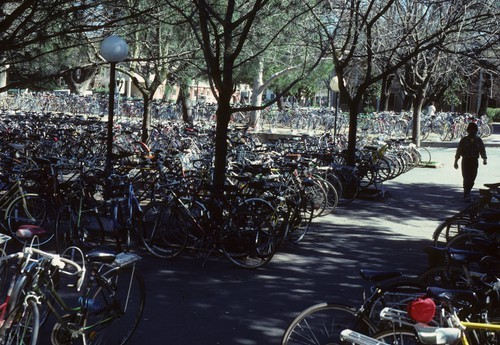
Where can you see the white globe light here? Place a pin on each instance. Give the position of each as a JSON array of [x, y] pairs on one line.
[[114, 49], [334, 84]]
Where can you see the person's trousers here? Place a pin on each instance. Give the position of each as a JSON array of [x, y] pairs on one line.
[[469, 173]]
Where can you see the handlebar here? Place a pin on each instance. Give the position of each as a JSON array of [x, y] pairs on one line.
[[57, 261]]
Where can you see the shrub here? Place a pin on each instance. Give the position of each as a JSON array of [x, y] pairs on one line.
[[493, 114]]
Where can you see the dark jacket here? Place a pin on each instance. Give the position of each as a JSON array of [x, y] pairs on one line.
[[470, 148]]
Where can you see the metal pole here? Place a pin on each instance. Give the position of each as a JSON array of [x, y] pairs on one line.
[[109, 140], [336, 115]]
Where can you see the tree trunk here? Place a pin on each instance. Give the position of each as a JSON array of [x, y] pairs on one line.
[[79, 79], [223, 114], [185, 104], [385, 92], [418, 101], [146, 117], [3, 73], [256, 99], [353, 126]]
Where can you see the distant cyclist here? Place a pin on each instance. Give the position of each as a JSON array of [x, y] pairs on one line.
[[470, 148]]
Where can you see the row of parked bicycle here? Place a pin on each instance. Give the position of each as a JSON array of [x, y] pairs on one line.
[[445, 125], [53, 178], [455, 301], [160, 200]]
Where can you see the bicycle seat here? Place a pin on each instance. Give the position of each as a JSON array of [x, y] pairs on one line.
[[465, 256], [453, 297], [28, 231], [492, 185], [490, 216], [377, 275], [100, 257], [486, 226]]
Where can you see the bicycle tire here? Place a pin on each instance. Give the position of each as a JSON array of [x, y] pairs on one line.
[[164, 230], [23, 285], [350, 188], [31, 209], [446, 277], [248, 239], [300, 221], [118, 306], [322, 323], [21, 326], [448, 229], [89, 233], [65, 229], [335, 181], [425, 156], [405, 336], [396, 294], [317, 194], [332, 197], [4, 271], [472, 241]]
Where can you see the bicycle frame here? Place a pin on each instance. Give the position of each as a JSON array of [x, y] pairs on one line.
[[466, 325]]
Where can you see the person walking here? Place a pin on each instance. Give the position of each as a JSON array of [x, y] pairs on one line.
[[469, 149], [431, 110]]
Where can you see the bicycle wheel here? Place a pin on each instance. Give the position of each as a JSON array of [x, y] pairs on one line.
[[398, 336], [332, 197], [65, 229], [425, 156], [394, 295], [300, 220], [4, 271], [247, 238], [23, 286], [117, 307], [447, 277], [22, 324], [31, 209], [164, 230], [322, 323], [317, 194], [335, 181], [448, 229], [350, 188]]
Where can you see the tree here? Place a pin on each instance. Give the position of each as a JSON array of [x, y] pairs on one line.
[[46, 39], [371, 40], [157, 51], [227, 33]]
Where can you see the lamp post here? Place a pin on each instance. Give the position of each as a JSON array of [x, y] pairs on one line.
[[334, 85], [114, 50]]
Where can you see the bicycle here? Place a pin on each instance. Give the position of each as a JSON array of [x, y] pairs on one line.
[[110, 297], [322, 323], [21, 208], [452, 331], [109, 309], [21, 314], [239, 229]]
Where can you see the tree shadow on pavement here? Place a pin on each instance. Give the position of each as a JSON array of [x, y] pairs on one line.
[[219, 304]]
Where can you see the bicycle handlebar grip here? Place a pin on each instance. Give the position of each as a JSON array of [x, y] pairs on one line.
[[60, 262]]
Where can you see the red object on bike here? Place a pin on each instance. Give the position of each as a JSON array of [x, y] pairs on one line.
[[422, 309], [28, 231]]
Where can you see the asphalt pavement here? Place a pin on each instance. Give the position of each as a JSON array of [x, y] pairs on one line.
[[193, 302]]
